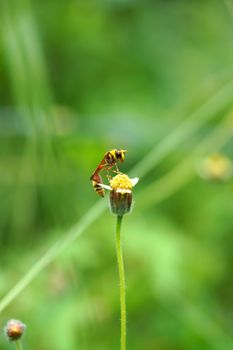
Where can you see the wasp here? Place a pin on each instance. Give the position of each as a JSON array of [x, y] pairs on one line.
[[109, 160]]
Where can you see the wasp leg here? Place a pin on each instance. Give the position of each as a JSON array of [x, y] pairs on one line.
[[109, 177], [117, 169]]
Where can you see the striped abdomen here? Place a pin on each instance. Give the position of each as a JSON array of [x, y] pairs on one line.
[[98, 189], [96, 180]]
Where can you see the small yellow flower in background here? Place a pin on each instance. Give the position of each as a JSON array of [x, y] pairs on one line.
[[14, 329], [121, 193], [216, 167]]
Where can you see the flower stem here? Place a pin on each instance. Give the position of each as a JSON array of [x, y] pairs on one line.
[[121, 271], [18, 345]]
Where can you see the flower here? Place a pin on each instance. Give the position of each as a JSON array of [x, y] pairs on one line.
[[121, 193], [14, 329], [216, 167]]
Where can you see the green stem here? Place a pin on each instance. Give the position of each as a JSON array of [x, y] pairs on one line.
[[121, 271], [18, 345]]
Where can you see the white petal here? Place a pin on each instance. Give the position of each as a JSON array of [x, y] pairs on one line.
[[105, 186], [123, 191], [134, 181]]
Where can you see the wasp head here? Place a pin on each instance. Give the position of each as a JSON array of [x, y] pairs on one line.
[[120, 155]]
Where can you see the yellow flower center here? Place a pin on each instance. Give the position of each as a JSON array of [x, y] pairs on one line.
[[121, 181]]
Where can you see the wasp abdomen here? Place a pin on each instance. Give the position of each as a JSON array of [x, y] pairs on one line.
[[96, 180], [98, 189]]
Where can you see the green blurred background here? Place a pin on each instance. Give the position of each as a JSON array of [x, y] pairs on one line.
[[78, 78]]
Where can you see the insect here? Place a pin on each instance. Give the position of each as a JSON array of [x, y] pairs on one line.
[[96, 181], [109, 160]]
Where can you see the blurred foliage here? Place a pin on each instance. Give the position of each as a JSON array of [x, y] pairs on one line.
[[77, 79]]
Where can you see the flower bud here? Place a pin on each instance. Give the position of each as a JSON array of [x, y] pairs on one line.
[[121, 194], [14, 329], [120, 202]]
